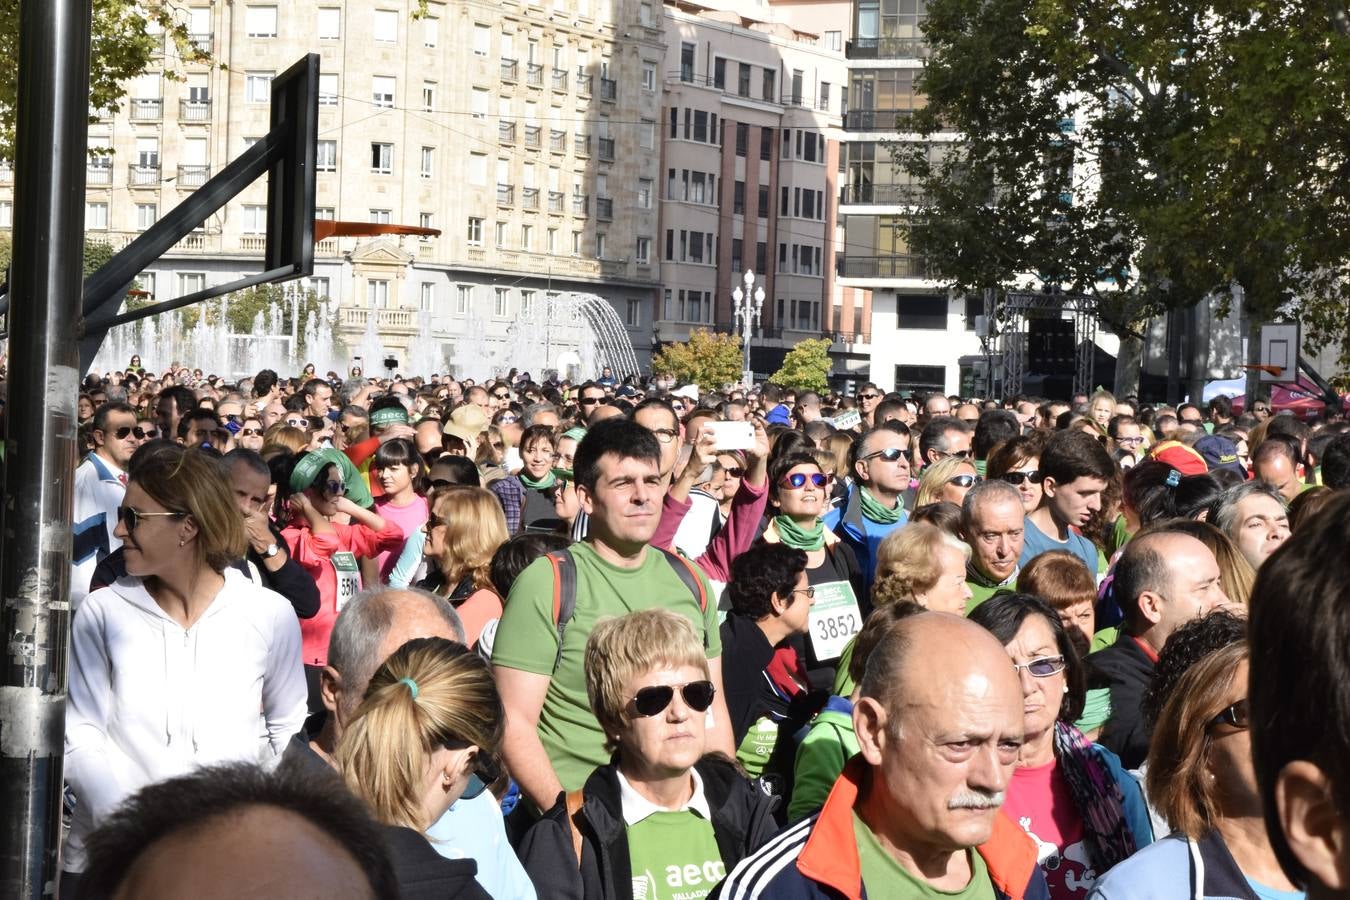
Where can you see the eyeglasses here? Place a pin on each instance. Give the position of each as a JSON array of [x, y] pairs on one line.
[[869, 396], [501, 396], [1131, 441], [734, 471], [1257, 409], [146, 434], [890, 454], [665, 435], [797, 480], [652, 701], [334, 488], [251, 432], [1018, 476], [810, 592], [591, 401], [964, 480], [131, 517], [435, 521], [507, 420], [298, 423], [1238, 716], [959, 454], [1043, 667], [127, 431]]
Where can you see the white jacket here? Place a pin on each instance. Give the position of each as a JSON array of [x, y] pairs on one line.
[[150, 700], [98, 493]]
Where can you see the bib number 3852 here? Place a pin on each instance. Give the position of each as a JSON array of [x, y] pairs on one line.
[[835, 619]]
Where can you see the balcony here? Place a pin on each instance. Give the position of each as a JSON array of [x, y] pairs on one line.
[[557, 141], [147, 109], [195, 242], [201, 40], [533, 137], [327, 247], [609, 89], [560, 80], [253, 243], [510, 71], [580, 204], [581, 145], [882, 194], [534, 75], [887, 48], [356, 318], [529, 198], [876, 119], [98, 175], [192, 176], [506, 132], [506, 195], [143, 176], [849, 337], [604, 209], [556, 200], [194, 110], [900, 265], [584, 83], [606, 149]]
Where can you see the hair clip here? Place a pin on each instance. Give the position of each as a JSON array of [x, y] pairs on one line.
[[1173, 479]]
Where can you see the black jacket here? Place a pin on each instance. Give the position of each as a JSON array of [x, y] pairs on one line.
[[745, 653], [742, 820], [1127, 671], [423, 874]]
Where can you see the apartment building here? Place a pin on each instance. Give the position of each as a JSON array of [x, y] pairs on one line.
[[750, 178], [525, 130]]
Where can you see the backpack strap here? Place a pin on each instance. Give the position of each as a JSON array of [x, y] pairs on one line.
[[564, 595], [689, 575], [575, 799]]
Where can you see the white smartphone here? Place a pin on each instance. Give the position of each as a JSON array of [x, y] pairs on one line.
[[732, 435]]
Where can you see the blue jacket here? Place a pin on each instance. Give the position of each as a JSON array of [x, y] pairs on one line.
[[860, 533], [817, 859], [1176, 868], [1136, 808]]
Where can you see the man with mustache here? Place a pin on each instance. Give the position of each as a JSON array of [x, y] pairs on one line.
[[939, 723]]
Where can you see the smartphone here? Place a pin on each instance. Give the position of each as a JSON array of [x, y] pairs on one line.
[[732, 435]]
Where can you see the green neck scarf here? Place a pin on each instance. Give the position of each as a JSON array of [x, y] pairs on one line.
[[873, 509], [797, 537], [542, 484]]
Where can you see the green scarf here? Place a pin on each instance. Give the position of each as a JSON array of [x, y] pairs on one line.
[[542, 484], [797, 537], [873, 509]]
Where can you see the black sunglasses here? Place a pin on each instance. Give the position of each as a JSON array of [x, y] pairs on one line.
[[131, 517], [890, 454], [591, 401], [501, 396], [251, 432], [869, 396], [1238, 716], [127, 430], [734, 471], [652, 701], [1017, 477]]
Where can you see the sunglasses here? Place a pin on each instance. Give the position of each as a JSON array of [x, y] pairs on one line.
[[868, 396], [1043, 667], [1238, 716], [959, 454], [298, 423], [507, 420], [334, 488], [501, 396], [131, 517], [890, 454], [652, 701], [435, 521], [591, 401], [1019, 476], [251, 432], [734, 471], [964, 481], [126, 431], [798, 480]]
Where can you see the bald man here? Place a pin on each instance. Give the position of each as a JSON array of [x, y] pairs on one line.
[[939, 723]]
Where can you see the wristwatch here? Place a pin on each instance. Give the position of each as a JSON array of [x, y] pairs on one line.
[[271, 551]]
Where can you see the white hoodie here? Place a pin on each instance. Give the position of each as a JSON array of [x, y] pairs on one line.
[[150, 700]]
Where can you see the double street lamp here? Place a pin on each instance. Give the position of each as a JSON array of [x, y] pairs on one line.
[[748, 304]]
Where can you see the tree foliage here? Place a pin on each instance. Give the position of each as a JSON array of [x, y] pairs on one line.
[[806, 367], [706, 359], [1155, 155], [96, 253]]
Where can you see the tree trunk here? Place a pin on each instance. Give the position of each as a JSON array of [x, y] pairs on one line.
[[1128, 362]]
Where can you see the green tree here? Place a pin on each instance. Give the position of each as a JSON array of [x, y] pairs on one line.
[[806, 367], [242, 308], [706, 359], [1154, 156], [127, 39], [96, 253]]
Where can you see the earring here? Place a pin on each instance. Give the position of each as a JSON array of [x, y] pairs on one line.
[[180, 543]]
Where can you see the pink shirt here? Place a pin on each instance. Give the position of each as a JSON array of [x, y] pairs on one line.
[[409, 519], [1040, 802]]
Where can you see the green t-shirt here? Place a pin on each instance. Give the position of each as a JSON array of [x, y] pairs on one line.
[[884, 877], [674, 856], [843, 685], [527, 640]]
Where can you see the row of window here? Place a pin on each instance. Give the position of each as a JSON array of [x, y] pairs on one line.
[[262, 22], [733, 75], [688, 306], [683, 245], [474, 237]]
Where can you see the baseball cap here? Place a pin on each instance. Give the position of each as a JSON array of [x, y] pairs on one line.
[[1219, 452], [466, 423], [1180, 457]]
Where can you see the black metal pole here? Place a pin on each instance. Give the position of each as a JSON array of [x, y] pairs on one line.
[[52, 135]]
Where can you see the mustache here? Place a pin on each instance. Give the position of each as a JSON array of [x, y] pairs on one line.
[[976, 800]]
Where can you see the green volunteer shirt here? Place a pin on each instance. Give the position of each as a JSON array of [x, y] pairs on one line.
[[884, 877], [674, 856], [527, 640]]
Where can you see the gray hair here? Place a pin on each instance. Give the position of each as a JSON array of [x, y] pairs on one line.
[[1223, 511], [363, 624], [988, 491], [534, 409]]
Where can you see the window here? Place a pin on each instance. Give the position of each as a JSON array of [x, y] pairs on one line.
[[576, 243], [146, 215], [646, 15], [428, 296], [551, 242], [738, 199], [687, 61], [644, 250], [478, 103], [328, 89], [382, 158], [382, 90], [463, 298], [761, 256], [386, 25], [600, 246], [763, 211], [499, 234], [325, 212], [743, 80], [648, 76], [927, 312], [527, 237], [425, 220], [6, 214], [381, 216], [633, 316], [260, 21], [258, 87], [482, 39], [330, 23], [475, 231], [770, 87], [377, 293], [191, 283], [834, 40], [478, 169], [526, 303], [719, 73], [797, 79], [428, 158], [824, 96], [95, 216], [325, 156], [737, 248], [742, 138], [808, 141], [501, 306], [644, 193], [320, 286], [431, 29], [428, 96], [647, 134], [255, 219]]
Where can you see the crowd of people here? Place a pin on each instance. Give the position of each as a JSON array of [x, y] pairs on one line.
[[429, 637]]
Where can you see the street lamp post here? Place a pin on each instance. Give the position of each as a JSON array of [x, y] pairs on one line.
[[748, 305]]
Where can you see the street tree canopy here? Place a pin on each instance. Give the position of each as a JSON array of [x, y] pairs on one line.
[[1153, 155], [706, 359], [806, 367]]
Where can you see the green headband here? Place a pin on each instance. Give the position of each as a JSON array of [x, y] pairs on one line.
[[390, 415]]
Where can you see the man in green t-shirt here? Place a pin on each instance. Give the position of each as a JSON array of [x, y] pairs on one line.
[[991, 523], [916, 814], [553, 741]]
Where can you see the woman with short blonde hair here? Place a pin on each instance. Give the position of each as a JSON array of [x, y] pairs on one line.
[[283, 435], [947, 480], [922, 563]]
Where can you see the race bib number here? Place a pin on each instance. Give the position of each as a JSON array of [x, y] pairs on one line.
[[835, 619], [348, 576], [847, 420]]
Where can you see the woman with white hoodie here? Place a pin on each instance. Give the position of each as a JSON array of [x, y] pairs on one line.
[[183, 662]]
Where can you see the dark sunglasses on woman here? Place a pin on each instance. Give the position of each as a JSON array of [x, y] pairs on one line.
[[652, 701], [964, 480], [1017, 477]]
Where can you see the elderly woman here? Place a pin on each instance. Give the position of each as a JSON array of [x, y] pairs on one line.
[[1083, 810], [1200, 778], [183, 662], [428, 733], [946, 481], [662, 809], [1017, 462]]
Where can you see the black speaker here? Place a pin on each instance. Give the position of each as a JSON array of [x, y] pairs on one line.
[[1050, 346]]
